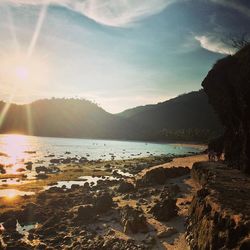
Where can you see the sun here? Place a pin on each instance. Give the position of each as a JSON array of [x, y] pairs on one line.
[[22, 72]]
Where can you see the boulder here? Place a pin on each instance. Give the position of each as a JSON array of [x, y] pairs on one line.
[[165, 209], [133, 220], [86, 213], [159, 175], [55, 161], [40, 169], [103, 203], [125, 187]]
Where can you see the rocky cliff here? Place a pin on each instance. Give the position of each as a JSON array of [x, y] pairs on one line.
[[228, 88], [220, 210]]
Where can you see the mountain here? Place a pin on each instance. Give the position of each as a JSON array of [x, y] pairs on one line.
[[67, 118], [186, 117]]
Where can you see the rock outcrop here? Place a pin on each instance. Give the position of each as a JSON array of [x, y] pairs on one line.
[[228, 88], [220, 210], [165, 209], [159, 175], [133, 220]]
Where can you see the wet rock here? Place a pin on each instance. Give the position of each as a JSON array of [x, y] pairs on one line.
[[133, 220], [2, 169], [41, 176], [83, 160], [28, 165], [19, 170], [66, 161], [55, 161], [125, 187], [42, 169], [165, 209]]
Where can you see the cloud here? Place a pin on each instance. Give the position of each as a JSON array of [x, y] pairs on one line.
[[236, 5], [116, 13], [214, 44]]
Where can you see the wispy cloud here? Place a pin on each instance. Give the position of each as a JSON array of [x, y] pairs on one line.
[[236, 5], [214, 44], [116, 13]]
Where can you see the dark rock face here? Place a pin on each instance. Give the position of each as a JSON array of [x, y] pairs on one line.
[[133, 220], [228, 88], [165, 209]]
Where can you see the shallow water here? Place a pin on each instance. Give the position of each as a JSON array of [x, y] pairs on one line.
[[11, 193], [21, 148], [82, 180]]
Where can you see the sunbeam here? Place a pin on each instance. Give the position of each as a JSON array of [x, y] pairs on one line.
[[4, 112], [39, 24], [29, 119]]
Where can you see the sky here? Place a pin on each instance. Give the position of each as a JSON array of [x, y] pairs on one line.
[[116, 53]]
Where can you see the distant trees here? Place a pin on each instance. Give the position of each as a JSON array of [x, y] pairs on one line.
[[191, 134]]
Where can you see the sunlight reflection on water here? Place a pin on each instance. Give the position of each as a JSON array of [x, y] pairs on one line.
[[12, 193]]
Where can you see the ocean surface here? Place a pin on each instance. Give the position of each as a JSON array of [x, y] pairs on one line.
[[17, 149]]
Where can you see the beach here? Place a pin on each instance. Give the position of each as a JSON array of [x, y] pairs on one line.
[[100, 205]]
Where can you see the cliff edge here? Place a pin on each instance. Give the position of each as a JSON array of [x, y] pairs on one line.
[[220, 210]]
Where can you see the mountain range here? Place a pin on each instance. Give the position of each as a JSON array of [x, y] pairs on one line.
[[188, 117]]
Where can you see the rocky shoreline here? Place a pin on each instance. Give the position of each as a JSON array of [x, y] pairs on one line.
[[139, 210]]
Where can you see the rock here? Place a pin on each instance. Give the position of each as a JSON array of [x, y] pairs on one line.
[[41, 176], [55, 161], [66, 161], [159, 175], [19, 170], [28, 165], [133, 220], [227, 87], [86, 213], [125, 187], [167, 232], [10, 224], [103, 203], [165, 209], [2, 169], [83, 160], [75, 186], [42, 169], [219, 206]]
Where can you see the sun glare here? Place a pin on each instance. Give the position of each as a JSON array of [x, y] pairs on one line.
[[14, 146], [23, 74]]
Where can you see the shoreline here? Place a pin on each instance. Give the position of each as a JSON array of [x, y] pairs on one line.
[[160, 234]]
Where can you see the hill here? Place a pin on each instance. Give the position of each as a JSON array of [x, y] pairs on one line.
[[186, 117], [67, 118]]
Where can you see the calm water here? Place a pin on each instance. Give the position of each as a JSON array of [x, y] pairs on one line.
[[17, 149]]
